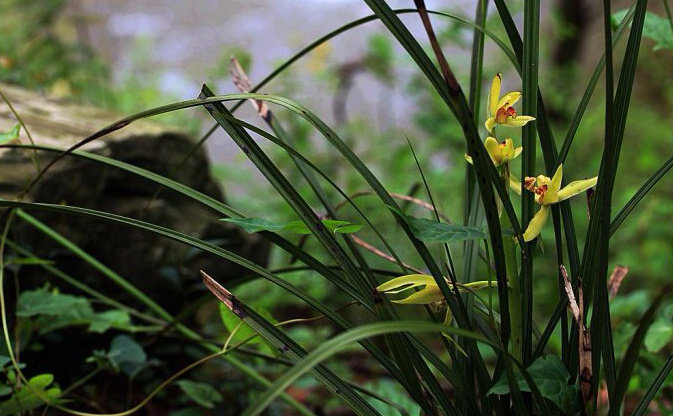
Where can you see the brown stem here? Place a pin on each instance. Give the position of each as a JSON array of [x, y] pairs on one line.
[[381, 254], [584, 344]]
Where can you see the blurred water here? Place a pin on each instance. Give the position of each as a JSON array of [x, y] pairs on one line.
[[187, 40]]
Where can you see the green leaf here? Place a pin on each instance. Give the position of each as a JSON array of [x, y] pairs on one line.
[[203, 394], [551, 378], [348, 229], [329, 348], [56, 310], [113, 318], [4, 360], [126, 354], [244, 331], [656, 28], [254, 225], [435, 232], [28, 397], [659, 335], [630, 305], [45, 302], [10, 135]]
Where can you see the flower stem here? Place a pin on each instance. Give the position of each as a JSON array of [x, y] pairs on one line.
[[512, 278]]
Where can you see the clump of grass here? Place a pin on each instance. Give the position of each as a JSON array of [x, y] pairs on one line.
[[439, 358]]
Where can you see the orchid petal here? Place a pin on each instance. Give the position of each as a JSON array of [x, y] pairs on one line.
[[493, 95], [493, 149], [535, 225], [576, 187], [405, 282], [507, 151], [430, 294], [490, 123], [551, 196], [517, 121], [508, 100], [517, 152], [477, 285]]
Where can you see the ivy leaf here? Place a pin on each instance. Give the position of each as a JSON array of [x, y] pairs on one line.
[[44, 302], [255, 225], [10, 135], [656, 28], [28, 397], [126, 354], [53, 310], [203, 394], [551, 378]]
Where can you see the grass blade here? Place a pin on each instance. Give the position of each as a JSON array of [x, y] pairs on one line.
[[331, 347], [257, 270], [639, 195], [407, 359], [651, 391], [141, 296], [219, 207], [631, 355], [595, 266], [289, 348], [591, 86]]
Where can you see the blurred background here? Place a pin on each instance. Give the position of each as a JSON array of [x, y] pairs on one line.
[[129, 56]]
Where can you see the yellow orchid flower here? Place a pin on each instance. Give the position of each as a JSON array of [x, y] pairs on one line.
[[430, 292], [548, 191], [500, 153], [500, 110]]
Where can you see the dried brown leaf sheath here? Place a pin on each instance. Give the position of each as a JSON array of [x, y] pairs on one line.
[[223, 295]]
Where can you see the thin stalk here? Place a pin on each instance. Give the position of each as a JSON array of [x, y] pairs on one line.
[[515, 301], [529, 80]]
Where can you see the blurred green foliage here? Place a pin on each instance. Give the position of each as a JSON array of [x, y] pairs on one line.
[[36, 53], [45, 49]]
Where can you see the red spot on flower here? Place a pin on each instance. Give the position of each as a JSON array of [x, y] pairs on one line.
[[529, 183], [504, 113]]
